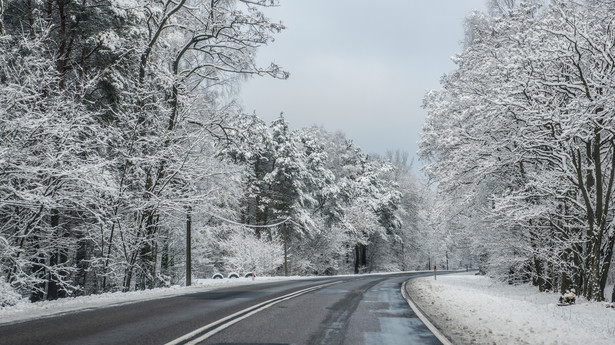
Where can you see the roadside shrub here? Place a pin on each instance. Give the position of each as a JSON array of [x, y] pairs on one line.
[[8, 295]]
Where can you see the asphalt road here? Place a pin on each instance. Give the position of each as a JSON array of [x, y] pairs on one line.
[[350, 310]]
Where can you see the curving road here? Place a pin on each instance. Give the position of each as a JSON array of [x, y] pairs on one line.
[[349, 310]]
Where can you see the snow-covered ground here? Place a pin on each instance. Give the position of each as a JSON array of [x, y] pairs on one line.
[[474, 309], [26, 310]]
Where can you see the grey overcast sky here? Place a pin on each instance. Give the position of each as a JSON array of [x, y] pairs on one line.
[[359, 66]]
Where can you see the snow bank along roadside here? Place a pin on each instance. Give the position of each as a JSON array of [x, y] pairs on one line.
[[473, 309]]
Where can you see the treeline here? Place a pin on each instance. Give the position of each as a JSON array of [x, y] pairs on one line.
[[347, 211], [521, 139], [118, 131]]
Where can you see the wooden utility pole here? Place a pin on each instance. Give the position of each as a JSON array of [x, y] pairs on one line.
[[285, 230], [189, 246]]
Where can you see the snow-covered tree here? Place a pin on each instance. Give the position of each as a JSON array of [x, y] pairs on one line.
[[521, 135], [245, 252], [112, 112]]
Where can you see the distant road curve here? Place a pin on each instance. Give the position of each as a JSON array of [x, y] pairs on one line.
[[366, 309]]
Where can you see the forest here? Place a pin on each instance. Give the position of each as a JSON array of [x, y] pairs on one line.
[[521, 140], [126, 160]]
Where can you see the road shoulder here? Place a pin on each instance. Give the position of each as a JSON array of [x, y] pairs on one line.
[[471, 309], [416, 291], [418, 310]]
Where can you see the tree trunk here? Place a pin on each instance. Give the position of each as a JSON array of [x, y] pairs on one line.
[[38, 270], [356, 258], [52, 285], [538, 279], [3, 5], [165, 258], [146, 277], [566, 279], [81, 257], [360, 257], [127, 278], [606, 263]]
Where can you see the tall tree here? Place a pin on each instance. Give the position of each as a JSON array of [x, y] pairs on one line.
[[521, 131]]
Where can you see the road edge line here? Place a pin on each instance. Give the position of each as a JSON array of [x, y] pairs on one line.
[[443, 339]]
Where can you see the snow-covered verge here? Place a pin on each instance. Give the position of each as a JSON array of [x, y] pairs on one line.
[[25, 310], [8, 296], [472, 309]]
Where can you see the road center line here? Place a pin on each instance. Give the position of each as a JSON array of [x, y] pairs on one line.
[[217, 326]]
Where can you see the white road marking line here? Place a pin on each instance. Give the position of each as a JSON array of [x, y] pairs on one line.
[[234, 317], [422, 317]]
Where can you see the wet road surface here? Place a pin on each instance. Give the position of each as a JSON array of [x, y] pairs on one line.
[[350, 310]]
